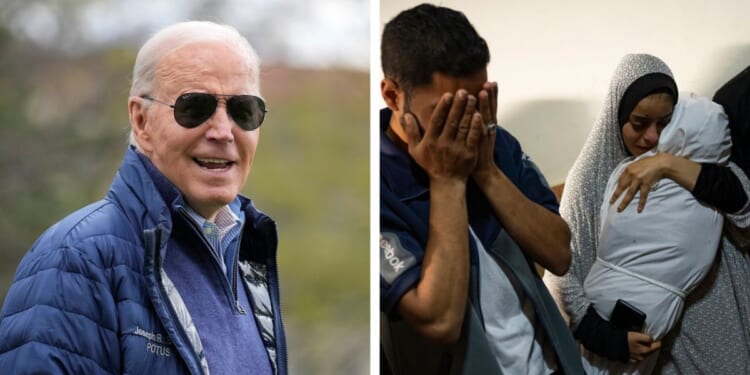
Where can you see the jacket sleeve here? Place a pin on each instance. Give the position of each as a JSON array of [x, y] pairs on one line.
[[59, 316], [718, 186], [400, 250]]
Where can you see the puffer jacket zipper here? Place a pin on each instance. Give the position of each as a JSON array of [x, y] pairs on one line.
[[232, 289], [152, 239]]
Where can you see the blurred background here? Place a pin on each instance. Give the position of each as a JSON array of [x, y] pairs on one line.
[[65, 69]]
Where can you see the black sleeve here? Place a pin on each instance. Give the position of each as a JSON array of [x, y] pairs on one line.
[[600, 337], [719, 187]]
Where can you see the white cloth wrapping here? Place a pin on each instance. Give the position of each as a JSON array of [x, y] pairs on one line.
[[653, 259], [585, 184], [714, 333]]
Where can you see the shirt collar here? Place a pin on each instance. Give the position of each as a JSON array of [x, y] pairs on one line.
[[225, 219]]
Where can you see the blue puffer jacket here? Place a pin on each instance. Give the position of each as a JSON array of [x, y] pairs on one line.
[[92, 297]]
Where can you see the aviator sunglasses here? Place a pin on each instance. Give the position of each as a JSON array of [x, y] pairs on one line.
[[194, 108]]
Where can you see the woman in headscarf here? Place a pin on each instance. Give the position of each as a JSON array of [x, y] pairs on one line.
[[649, 261], [713, 336]]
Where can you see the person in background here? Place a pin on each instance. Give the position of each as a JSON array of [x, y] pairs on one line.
[[173, 272], [464, 215], [652, 259]]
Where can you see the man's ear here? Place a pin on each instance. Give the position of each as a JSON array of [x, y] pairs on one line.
[[391, 93], [139, 123]]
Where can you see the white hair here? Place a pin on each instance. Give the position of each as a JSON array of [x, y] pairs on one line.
[[179, 35]]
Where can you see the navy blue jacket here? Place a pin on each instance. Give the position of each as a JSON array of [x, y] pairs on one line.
[[92, 295]]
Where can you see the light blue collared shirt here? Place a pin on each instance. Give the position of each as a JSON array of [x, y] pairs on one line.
[[219, 233]]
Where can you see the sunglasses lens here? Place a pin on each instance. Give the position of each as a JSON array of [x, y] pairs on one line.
[[247, 111], [192, 109]]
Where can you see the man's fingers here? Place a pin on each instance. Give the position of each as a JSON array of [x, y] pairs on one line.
[[484, 105], [455, 115], [488, 102], [465, 124], [491, 88], [494, 101], [439, 116], [476, 130], [409, 122]]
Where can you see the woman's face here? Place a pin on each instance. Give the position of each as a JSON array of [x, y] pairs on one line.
[[646, 121]]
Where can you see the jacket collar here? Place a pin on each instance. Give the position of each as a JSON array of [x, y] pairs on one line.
[[149, 199], [142, 192]]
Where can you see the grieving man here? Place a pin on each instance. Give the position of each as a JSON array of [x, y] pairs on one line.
[[464, 215]]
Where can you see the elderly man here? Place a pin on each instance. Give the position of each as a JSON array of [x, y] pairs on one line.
[[464, 214], [173, 272]]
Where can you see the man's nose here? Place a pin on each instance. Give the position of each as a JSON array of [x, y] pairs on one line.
[[220, 125]]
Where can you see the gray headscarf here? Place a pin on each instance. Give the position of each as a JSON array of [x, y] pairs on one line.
[[586, 181], [713, 336]]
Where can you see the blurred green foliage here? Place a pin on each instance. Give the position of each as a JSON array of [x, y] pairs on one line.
[[63, 128]]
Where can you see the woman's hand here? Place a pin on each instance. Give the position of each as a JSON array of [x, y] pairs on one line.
[[641, 175], [641, 345], [638, 176]]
